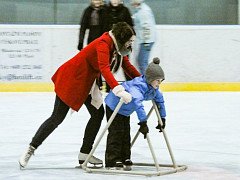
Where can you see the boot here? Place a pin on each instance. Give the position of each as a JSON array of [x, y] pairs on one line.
[[119, 165], [128, 162], [115, 166], [93, 160], [128, 165], [23, 161]]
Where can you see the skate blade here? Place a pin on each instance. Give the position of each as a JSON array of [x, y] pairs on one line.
[[124, 168], [127, 168], [115, 168], [89, 165], [20, 166]]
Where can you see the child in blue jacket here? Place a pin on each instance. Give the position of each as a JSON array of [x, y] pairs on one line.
[[141, 88]]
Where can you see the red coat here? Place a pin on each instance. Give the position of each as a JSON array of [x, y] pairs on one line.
[[73, 80]]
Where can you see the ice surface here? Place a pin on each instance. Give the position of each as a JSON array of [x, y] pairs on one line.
[[203, 129]]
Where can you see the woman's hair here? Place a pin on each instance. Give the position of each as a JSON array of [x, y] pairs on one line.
[[122, 32]]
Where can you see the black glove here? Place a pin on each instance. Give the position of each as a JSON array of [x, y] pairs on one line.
[[163, 126], [143, 128]]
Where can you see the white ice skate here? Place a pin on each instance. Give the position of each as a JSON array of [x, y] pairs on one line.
[[93, 160], [23, 161]]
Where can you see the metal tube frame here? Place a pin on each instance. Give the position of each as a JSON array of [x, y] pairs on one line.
[[174, 167]]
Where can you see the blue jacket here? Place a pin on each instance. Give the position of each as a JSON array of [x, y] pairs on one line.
[[140, 91], [145, 24]]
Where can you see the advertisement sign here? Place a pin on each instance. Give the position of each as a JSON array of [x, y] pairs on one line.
[[21, 55]]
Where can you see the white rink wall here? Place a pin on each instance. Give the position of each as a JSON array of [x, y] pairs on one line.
[[32, 53], [199, 53]]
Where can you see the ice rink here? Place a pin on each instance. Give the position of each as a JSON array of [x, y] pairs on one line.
[[203, 129]]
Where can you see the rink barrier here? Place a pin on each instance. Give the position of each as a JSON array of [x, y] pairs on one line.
[[200, 86], [26, 87], [165, 86]]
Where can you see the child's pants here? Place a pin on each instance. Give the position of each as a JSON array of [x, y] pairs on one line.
[[118, 139]]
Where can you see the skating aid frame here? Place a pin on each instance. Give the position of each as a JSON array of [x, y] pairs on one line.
[[174, 167]]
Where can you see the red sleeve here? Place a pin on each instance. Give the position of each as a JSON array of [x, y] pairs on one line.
[[103, 53], [129, 69]]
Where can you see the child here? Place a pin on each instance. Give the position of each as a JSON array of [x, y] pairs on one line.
[[141, 88]]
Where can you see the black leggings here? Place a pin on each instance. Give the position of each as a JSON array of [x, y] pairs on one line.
[[58, 115]]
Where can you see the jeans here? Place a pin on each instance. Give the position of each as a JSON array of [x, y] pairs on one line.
[[143, 56], [59, 113]]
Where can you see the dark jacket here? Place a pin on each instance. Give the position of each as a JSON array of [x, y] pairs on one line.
[[95, 31], [117, 14]]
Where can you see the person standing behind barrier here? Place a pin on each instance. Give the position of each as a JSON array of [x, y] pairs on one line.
[[75, 85], [92, 19], [143, 88], [145, 27], [116, 12]]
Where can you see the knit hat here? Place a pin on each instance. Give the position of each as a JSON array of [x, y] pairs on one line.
[[154, 71]]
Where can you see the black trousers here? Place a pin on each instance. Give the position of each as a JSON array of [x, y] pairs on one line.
[[118, 139], [58, 115]]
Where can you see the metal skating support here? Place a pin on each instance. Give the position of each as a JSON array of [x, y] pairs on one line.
[[159, 171]]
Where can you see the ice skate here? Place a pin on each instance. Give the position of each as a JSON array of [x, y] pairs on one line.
[[23, 161], [127, 165], [117, 166], [93, 160]]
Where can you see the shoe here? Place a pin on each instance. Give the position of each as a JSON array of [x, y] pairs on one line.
[[127, 165], [128, 162], [118, 165], [23, 161], [115, 166], [93, 160]]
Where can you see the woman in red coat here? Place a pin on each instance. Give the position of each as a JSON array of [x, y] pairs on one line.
[[75, 85]]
